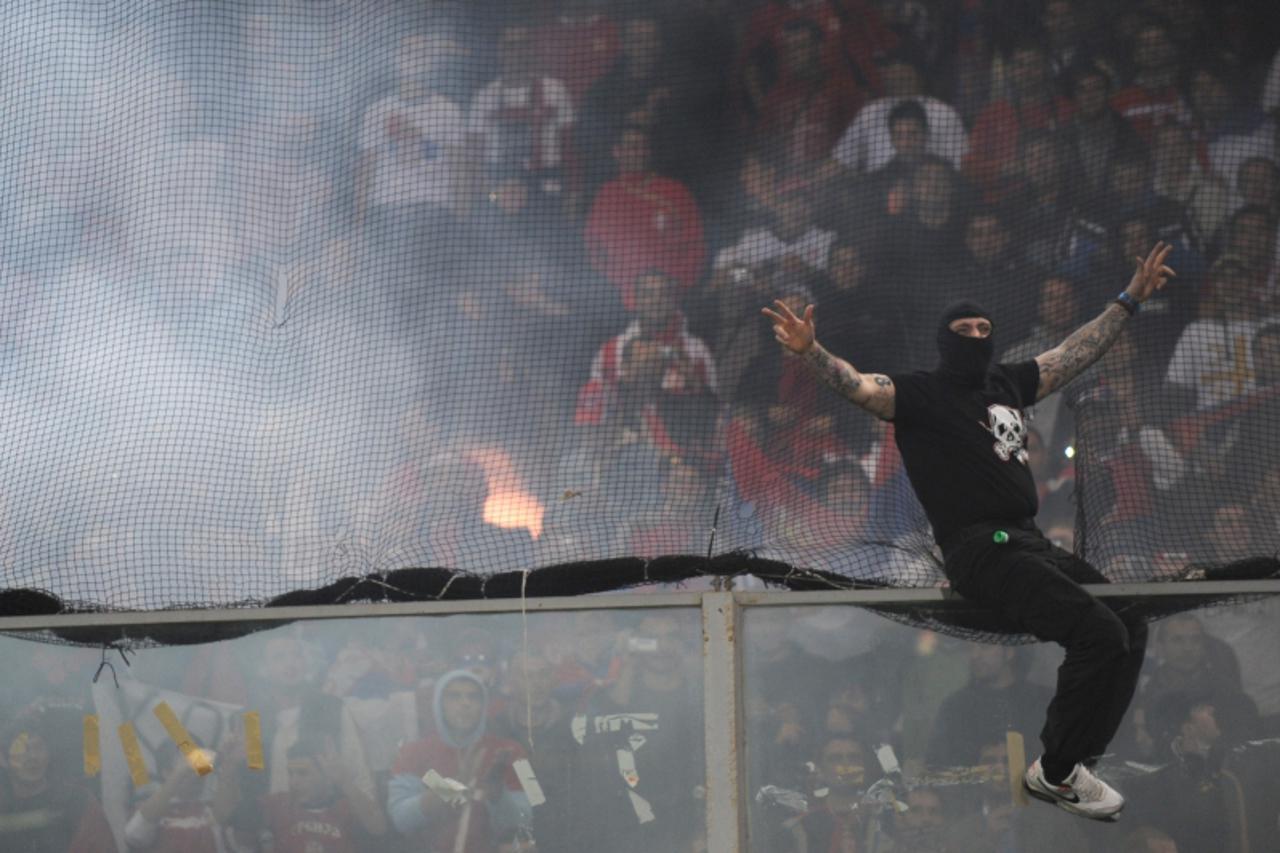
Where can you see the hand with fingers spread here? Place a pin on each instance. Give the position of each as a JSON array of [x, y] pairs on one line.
[[1151, 274], [795, 333]]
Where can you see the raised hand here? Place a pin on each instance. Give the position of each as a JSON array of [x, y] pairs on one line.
[[1151, 274], [795, 333]]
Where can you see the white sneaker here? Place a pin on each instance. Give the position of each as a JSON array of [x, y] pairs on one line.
[[1080, 793]]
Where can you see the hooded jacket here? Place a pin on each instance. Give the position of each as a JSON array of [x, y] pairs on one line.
[[450, 753]]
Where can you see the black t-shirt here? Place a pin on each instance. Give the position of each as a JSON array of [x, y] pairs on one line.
[[963, 448]]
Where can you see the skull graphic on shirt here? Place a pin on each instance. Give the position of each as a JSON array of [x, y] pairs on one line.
[[1010, 432]]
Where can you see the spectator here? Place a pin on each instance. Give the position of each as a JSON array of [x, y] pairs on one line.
[[175, 818], [589, 663], [1179, 178], [522, 119], [742, 346], [1190, 661], [528, 276], [1167, 312], [324, 810], [411, 181], [291, 705], [1249, 235], [1261, 415], [1057, 316], [655, 697], [844, 48], [1152, 97], [884, 190], [635, 92], [1212, 355], [810, 104], [1030, 105], [1049, 231], [997, 699], [1130, 193], [861, 313], [782, 716], [492, 803], [1207, 796], [534, 718], [40, 810], [931, 217], [1257, 184], [867, 143], [576, 44], [922, 827], [642, 221], [792, 237], [1066, 31], [992, 268], [1138, 464], [1270, 101], [836, 822], [1215, 110], [652, 369], [1096, 135]]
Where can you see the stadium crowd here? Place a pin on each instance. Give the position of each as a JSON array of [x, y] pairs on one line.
[[572, 213], [603, 711]]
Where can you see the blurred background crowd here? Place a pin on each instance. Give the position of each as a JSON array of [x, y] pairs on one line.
[[300, 289], [604, 711]]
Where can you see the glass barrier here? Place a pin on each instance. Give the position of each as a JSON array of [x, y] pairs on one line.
[[464, 733], [583, 730], [825, 689]]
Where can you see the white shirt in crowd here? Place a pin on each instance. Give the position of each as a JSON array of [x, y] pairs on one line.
[[1215, 358], [414, 146], [1271, 89], [759, 245], [544, 105], [1228, 154], [865, 146]]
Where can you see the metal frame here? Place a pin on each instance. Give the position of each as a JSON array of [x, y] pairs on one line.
[[722, 620], [609, 601]]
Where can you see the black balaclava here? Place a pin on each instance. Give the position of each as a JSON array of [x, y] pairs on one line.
[[964, 360]]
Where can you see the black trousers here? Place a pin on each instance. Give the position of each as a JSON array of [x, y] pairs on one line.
[[1037, 586]]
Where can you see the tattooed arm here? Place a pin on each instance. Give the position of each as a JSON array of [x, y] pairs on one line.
[[872, 391], [1082, 348], [1086, 345]]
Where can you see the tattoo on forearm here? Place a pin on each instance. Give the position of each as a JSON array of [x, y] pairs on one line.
[[1082, 348], [831, 371], [847, 382]]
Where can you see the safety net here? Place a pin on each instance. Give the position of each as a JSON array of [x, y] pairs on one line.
[[302, 292]]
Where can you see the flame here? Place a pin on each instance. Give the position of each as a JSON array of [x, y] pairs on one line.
[[507, 505], [514, 509]]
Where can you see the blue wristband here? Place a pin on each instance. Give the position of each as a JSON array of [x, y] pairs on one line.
[[1128, 303]]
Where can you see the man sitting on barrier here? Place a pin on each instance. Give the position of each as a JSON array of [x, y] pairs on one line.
[[961, 433]]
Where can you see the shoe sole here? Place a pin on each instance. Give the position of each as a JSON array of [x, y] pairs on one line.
[[1066, 806]]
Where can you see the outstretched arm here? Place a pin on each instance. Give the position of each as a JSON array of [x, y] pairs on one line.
[[871, 391], [1087, 344]]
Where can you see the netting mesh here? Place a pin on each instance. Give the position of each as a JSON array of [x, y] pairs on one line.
[[301, 291]]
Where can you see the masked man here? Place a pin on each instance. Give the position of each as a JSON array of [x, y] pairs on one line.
[[961, 433]]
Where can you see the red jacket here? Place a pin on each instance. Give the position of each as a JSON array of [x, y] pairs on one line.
[[639, 222], [994, 140]]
